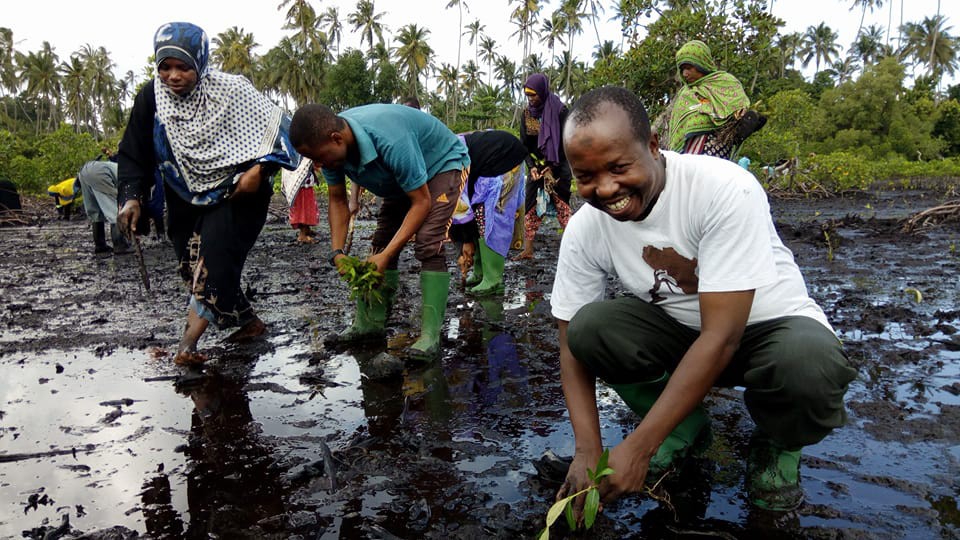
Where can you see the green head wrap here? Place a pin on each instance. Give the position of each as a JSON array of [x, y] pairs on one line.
[[707, 104]]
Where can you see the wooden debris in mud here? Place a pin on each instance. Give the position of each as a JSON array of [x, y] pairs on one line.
[[933, 217]]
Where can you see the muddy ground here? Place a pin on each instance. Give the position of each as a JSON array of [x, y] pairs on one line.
[[282, 439]]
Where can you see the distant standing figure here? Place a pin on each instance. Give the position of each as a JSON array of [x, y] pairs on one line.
[[303, 209], [541, 132], [708, 105]]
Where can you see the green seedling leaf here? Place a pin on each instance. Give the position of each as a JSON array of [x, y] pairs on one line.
[[591, 507], [363, 278], [554, 512], [605, 472], [571, 519]]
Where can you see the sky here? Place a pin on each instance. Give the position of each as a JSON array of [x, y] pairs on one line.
[[125, 28]]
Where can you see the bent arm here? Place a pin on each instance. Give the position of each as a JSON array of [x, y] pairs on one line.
[[338, 215]]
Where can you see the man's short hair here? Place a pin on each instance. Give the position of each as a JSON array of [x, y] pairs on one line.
[[313, 123], [587, 108]]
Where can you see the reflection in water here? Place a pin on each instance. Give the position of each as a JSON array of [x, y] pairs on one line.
[[230, 482]]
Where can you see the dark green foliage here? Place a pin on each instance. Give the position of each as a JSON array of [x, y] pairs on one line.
[[363, 278], [947, 126], [348, 83], [38, 163]]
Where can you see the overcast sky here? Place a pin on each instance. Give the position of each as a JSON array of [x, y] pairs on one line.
[[125, 28]]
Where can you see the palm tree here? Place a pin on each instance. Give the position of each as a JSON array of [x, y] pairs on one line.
[[413, 54], [489, 47], [843, 70], [789, 46], [302, 18], [103, 83], [471, 77], [523, 17], [75, 86], [475, 32], [234, 52], [39, 70], [460, 5], [595, 8], [506, 72], [865, 5], [929, 42], [334, 28], [534, 64], [448, 77], [868, 46], [553, 30], [607, 49], [367, 21], [820, 43], [572, 16], [283, 71]]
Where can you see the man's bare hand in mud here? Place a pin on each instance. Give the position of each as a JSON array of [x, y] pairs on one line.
[[128, 217], [578, 480], [249, 182], [630, 466]]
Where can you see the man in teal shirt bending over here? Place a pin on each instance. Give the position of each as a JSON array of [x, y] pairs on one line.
[[418, 166]]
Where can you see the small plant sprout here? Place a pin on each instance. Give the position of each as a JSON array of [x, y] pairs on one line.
[[363, 278], [590, 507]]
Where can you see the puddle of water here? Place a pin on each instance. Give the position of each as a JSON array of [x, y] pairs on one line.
[[48, 412]]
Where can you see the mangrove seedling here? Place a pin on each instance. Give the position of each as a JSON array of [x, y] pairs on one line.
[[363, 279], [590, 507]]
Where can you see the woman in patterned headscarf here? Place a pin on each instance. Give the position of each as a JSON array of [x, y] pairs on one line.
[[542, 133], [707, 105], [208, 144]]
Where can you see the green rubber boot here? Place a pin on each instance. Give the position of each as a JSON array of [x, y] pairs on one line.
[[773, 475], [492, 264], [435, 286], [640, 397], [370, 321], [476, 274]]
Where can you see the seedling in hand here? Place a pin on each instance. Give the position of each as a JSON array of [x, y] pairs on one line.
[[363, 278], [590, 507]]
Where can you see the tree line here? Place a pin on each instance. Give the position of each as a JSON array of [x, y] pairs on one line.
[[81, 102]]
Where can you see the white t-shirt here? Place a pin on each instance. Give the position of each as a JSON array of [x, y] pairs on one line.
[[710, 231]]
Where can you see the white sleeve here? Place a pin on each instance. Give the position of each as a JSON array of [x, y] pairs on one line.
[[735, 250], [581, 271]]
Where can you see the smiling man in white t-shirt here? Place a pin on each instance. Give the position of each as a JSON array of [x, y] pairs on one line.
[[716, 299]]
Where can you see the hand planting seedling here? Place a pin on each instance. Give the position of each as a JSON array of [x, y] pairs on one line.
[[590, 507], [362, 277]]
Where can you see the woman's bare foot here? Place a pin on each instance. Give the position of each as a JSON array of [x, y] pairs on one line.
[[301, 239], [189, 358], [252, 329]]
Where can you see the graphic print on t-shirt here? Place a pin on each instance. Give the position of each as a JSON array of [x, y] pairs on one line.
[[671, 271]]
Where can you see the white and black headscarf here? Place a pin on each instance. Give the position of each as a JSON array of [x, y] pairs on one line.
[[222, 123]]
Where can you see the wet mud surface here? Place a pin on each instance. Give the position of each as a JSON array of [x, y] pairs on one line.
[[280, 438]]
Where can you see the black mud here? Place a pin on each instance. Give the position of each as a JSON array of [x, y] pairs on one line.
[[283, 439]]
